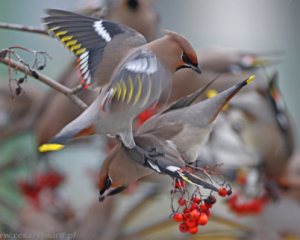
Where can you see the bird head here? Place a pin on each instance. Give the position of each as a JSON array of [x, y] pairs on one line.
[[107, 187], [189, 56]]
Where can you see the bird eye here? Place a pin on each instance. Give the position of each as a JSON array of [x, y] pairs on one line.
[[133, 4], [185, 58]]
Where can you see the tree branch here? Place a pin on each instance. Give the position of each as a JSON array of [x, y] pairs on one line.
[[23, 28], [50, 82]]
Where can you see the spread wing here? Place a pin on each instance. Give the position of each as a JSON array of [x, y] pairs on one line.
[[88, 38], [138, 82]]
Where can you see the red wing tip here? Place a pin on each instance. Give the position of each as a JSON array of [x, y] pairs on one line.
[[86, 86]]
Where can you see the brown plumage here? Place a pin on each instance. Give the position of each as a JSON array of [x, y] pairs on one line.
[[123, 166], [144, 19], [143, 71]]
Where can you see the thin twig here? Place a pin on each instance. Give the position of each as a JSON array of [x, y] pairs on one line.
[[23, 28], [50, 82]]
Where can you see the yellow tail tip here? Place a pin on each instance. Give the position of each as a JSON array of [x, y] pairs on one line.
[[50, 147], [250, 79]]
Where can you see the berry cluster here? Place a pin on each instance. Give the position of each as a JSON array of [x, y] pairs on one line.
[[249, 206], [196, 210], [32, 188]]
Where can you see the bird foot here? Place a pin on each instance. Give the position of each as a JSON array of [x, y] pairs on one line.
[[148, 155]]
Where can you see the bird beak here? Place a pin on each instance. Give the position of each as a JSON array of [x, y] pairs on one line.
[[196, 69]]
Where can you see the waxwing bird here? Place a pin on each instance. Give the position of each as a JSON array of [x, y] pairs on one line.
[[234, 65], [123, 166], [140, 15], [143, 72], [268, 126], [188, 127]]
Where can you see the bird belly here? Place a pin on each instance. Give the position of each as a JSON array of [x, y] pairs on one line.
[[190, 140], [112, 124]]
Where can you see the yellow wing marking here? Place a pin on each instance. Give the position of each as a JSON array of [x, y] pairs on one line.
[[75, 47], [54, 28], [137, 97], [115, 90], [82, 50], [60, 33], [131, 88], [119, 90], [123, 85], [67, 38], [185, 178], [149, 91], [50, 147], [70, 43]]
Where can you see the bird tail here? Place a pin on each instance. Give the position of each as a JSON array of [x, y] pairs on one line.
[[81, 126], [217, 102], [184, 175]]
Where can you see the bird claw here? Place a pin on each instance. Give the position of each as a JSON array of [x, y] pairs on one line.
[[147, 155]]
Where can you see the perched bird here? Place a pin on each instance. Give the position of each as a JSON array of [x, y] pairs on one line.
[[189, 127], [143, 72], [140, 15], [123, 166]]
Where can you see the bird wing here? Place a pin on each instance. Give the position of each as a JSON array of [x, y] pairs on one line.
[[169, 162], [89, 38], [138, 82]]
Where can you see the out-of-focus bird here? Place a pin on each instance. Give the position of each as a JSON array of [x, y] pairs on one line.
[[189, 127], [143, 72], [232, 63], [268, 127], [140, 15]]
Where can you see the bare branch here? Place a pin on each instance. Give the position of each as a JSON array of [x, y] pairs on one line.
[[50, 82], [23, 28]]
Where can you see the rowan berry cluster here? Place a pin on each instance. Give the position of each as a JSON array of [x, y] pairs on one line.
[[196, 210], [247, 206]]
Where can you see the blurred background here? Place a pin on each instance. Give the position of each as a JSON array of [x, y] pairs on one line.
[[71, 203]]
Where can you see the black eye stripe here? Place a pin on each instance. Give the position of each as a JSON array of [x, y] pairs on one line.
[[186, 59]]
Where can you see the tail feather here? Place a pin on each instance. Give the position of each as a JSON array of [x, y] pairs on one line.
[[59, 141], [183, 174]]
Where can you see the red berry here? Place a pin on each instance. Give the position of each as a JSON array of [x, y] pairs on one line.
[[196, 200], [181, 202], [193, 206], [207, 213], [208, 205], [181, 183], [190, 223], [178, 217], [193, 230], [197, 212], [185, 217], [222, 192], [203, 207], [203, 219], [183, 227], [186, 210], [193, 215]]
